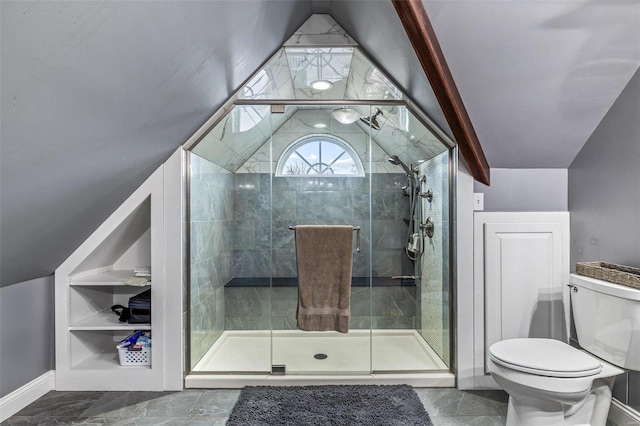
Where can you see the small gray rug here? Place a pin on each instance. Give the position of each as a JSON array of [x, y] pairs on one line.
[[329, 405]]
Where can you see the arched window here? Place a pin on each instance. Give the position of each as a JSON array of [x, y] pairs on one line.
[[323, 155]]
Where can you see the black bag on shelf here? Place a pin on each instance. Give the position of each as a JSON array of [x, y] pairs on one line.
[[122, 311], [139, 310]]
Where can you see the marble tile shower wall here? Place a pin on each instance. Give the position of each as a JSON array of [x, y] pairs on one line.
[[434, 284], [317, 201], [260, 308], [211, 251]]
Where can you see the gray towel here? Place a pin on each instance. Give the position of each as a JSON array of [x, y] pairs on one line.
[[324, 257]]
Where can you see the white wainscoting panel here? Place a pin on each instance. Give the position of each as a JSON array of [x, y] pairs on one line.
[[523, 278], [521, 268]]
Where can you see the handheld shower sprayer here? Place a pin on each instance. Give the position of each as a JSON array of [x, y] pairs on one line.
[[414, 242], [397, 162], [413, 248]]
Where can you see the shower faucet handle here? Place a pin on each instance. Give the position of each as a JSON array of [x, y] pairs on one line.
[[428, 195], [428, 226]]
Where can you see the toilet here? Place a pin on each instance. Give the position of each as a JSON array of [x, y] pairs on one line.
[[552, 383]]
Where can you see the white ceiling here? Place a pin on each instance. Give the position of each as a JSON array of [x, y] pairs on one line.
[[96, 94]]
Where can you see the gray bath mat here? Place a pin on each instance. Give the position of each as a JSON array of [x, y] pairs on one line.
[[328, 406]]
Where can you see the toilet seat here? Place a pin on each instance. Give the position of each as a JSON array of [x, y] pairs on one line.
[[544, 357]]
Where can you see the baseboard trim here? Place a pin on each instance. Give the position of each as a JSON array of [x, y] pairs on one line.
[[25, 395], [623, 415]]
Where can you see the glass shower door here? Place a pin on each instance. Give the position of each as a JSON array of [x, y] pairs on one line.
[[411, 277], [230, 246], [320, 175]]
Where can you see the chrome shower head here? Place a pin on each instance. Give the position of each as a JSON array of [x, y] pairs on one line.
[[373, 120], [397, 162], [394, 160]]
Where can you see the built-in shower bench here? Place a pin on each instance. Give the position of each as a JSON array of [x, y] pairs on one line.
[[259, 303], [293, 282]]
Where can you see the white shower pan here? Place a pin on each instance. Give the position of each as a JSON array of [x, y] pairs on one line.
[[397, 357]]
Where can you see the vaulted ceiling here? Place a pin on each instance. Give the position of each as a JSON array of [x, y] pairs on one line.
[[96, 95]]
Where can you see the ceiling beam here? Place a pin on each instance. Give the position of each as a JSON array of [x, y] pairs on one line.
[[423, 39]]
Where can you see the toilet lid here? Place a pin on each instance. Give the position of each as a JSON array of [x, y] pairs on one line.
[[544, 357]]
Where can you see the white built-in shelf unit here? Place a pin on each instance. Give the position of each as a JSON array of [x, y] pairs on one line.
[[92, 279]]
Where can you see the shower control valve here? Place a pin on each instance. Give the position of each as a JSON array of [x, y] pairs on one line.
[[428, 195], [428, 226]]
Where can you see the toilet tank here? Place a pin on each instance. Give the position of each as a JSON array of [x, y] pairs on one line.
[[607, 320]]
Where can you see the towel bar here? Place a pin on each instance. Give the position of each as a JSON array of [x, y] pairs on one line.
[[356, 229]]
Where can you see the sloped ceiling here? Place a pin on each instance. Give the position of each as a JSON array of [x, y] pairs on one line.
[[537, 77], [96, 95]]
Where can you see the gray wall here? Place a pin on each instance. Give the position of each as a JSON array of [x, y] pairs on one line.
[[604, 186], [604, 201], [26, 332], [103, 81], [525, 190]]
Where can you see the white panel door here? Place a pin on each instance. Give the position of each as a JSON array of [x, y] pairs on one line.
[[523, 281]]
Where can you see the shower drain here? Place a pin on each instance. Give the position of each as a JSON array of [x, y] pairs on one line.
[[320, 356]]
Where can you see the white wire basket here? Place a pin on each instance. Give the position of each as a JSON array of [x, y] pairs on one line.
[[134, 357]]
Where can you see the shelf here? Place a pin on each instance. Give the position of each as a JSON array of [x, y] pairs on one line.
[[107, 361], [91, 280], [106, 320], [111, 278]]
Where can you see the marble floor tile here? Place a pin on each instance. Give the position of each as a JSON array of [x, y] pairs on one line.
[[217, 402], [440, 402], [200, 407], [484, 403], [120, 405], [173, 404], [469, 420], [61, 404], [452, 402], [168, 421], [143, 404], [53, 421]]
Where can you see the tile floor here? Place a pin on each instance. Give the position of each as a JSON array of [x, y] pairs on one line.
[[195, 407]]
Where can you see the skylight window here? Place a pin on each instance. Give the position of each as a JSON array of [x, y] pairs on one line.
[[323, 155]]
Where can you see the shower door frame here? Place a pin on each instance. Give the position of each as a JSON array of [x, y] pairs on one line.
[[453, 163]]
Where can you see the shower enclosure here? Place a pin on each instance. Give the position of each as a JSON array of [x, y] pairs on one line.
[[282, 154]]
